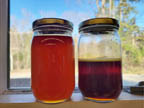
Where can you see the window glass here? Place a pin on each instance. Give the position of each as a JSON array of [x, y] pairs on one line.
[[24, 12]]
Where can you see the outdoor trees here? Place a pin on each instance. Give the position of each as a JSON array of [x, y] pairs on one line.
[[132, 36]]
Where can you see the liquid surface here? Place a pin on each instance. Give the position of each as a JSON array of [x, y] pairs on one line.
[[100, 79], [52, 68]]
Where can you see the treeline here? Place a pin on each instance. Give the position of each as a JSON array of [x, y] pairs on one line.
[[132, 36], [20, 50]]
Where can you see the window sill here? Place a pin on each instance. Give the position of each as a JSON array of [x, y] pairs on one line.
[[23, 100]]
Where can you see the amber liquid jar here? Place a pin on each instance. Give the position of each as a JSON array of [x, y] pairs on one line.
[[52, 60], [100, 69]]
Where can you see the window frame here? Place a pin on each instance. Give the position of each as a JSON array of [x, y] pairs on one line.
[[4, 45], [5, 50]]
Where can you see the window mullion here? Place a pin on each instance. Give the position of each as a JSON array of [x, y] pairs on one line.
[[3, 44]]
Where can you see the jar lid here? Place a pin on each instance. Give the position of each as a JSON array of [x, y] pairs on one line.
[[97, 22], [52, 22]]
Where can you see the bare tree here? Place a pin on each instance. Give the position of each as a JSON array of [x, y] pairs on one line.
[[103, 8], [98, 7]]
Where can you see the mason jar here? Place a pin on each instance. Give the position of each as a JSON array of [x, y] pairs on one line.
[[99, 59], [52, 60]]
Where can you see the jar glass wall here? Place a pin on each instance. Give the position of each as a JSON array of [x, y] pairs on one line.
[[99, 60], [53, 63]]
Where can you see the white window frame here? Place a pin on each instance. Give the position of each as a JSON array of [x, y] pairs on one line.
[[3, 44]]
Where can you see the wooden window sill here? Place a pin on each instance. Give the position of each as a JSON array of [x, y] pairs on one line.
[[27, 100]]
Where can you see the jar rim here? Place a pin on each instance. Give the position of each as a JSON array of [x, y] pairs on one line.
[[59, 22], [99, 22]]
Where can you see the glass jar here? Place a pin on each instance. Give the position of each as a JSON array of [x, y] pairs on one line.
[[52, 60], [99, 59]]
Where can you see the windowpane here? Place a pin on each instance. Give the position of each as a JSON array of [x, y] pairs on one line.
[[24, 12]]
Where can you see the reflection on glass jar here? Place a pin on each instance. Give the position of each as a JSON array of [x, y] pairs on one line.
[[99, 59], [52, 55]]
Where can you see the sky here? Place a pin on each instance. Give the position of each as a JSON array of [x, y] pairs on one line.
[[71, 10], [24, 12]]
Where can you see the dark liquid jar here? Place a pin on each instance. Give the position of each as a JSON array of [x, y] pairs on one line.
[[100, 77], [52, 60]]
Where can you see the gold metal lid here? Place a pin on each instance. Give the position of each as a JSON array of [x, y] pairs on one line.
[[52, 21], [99, 21]]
